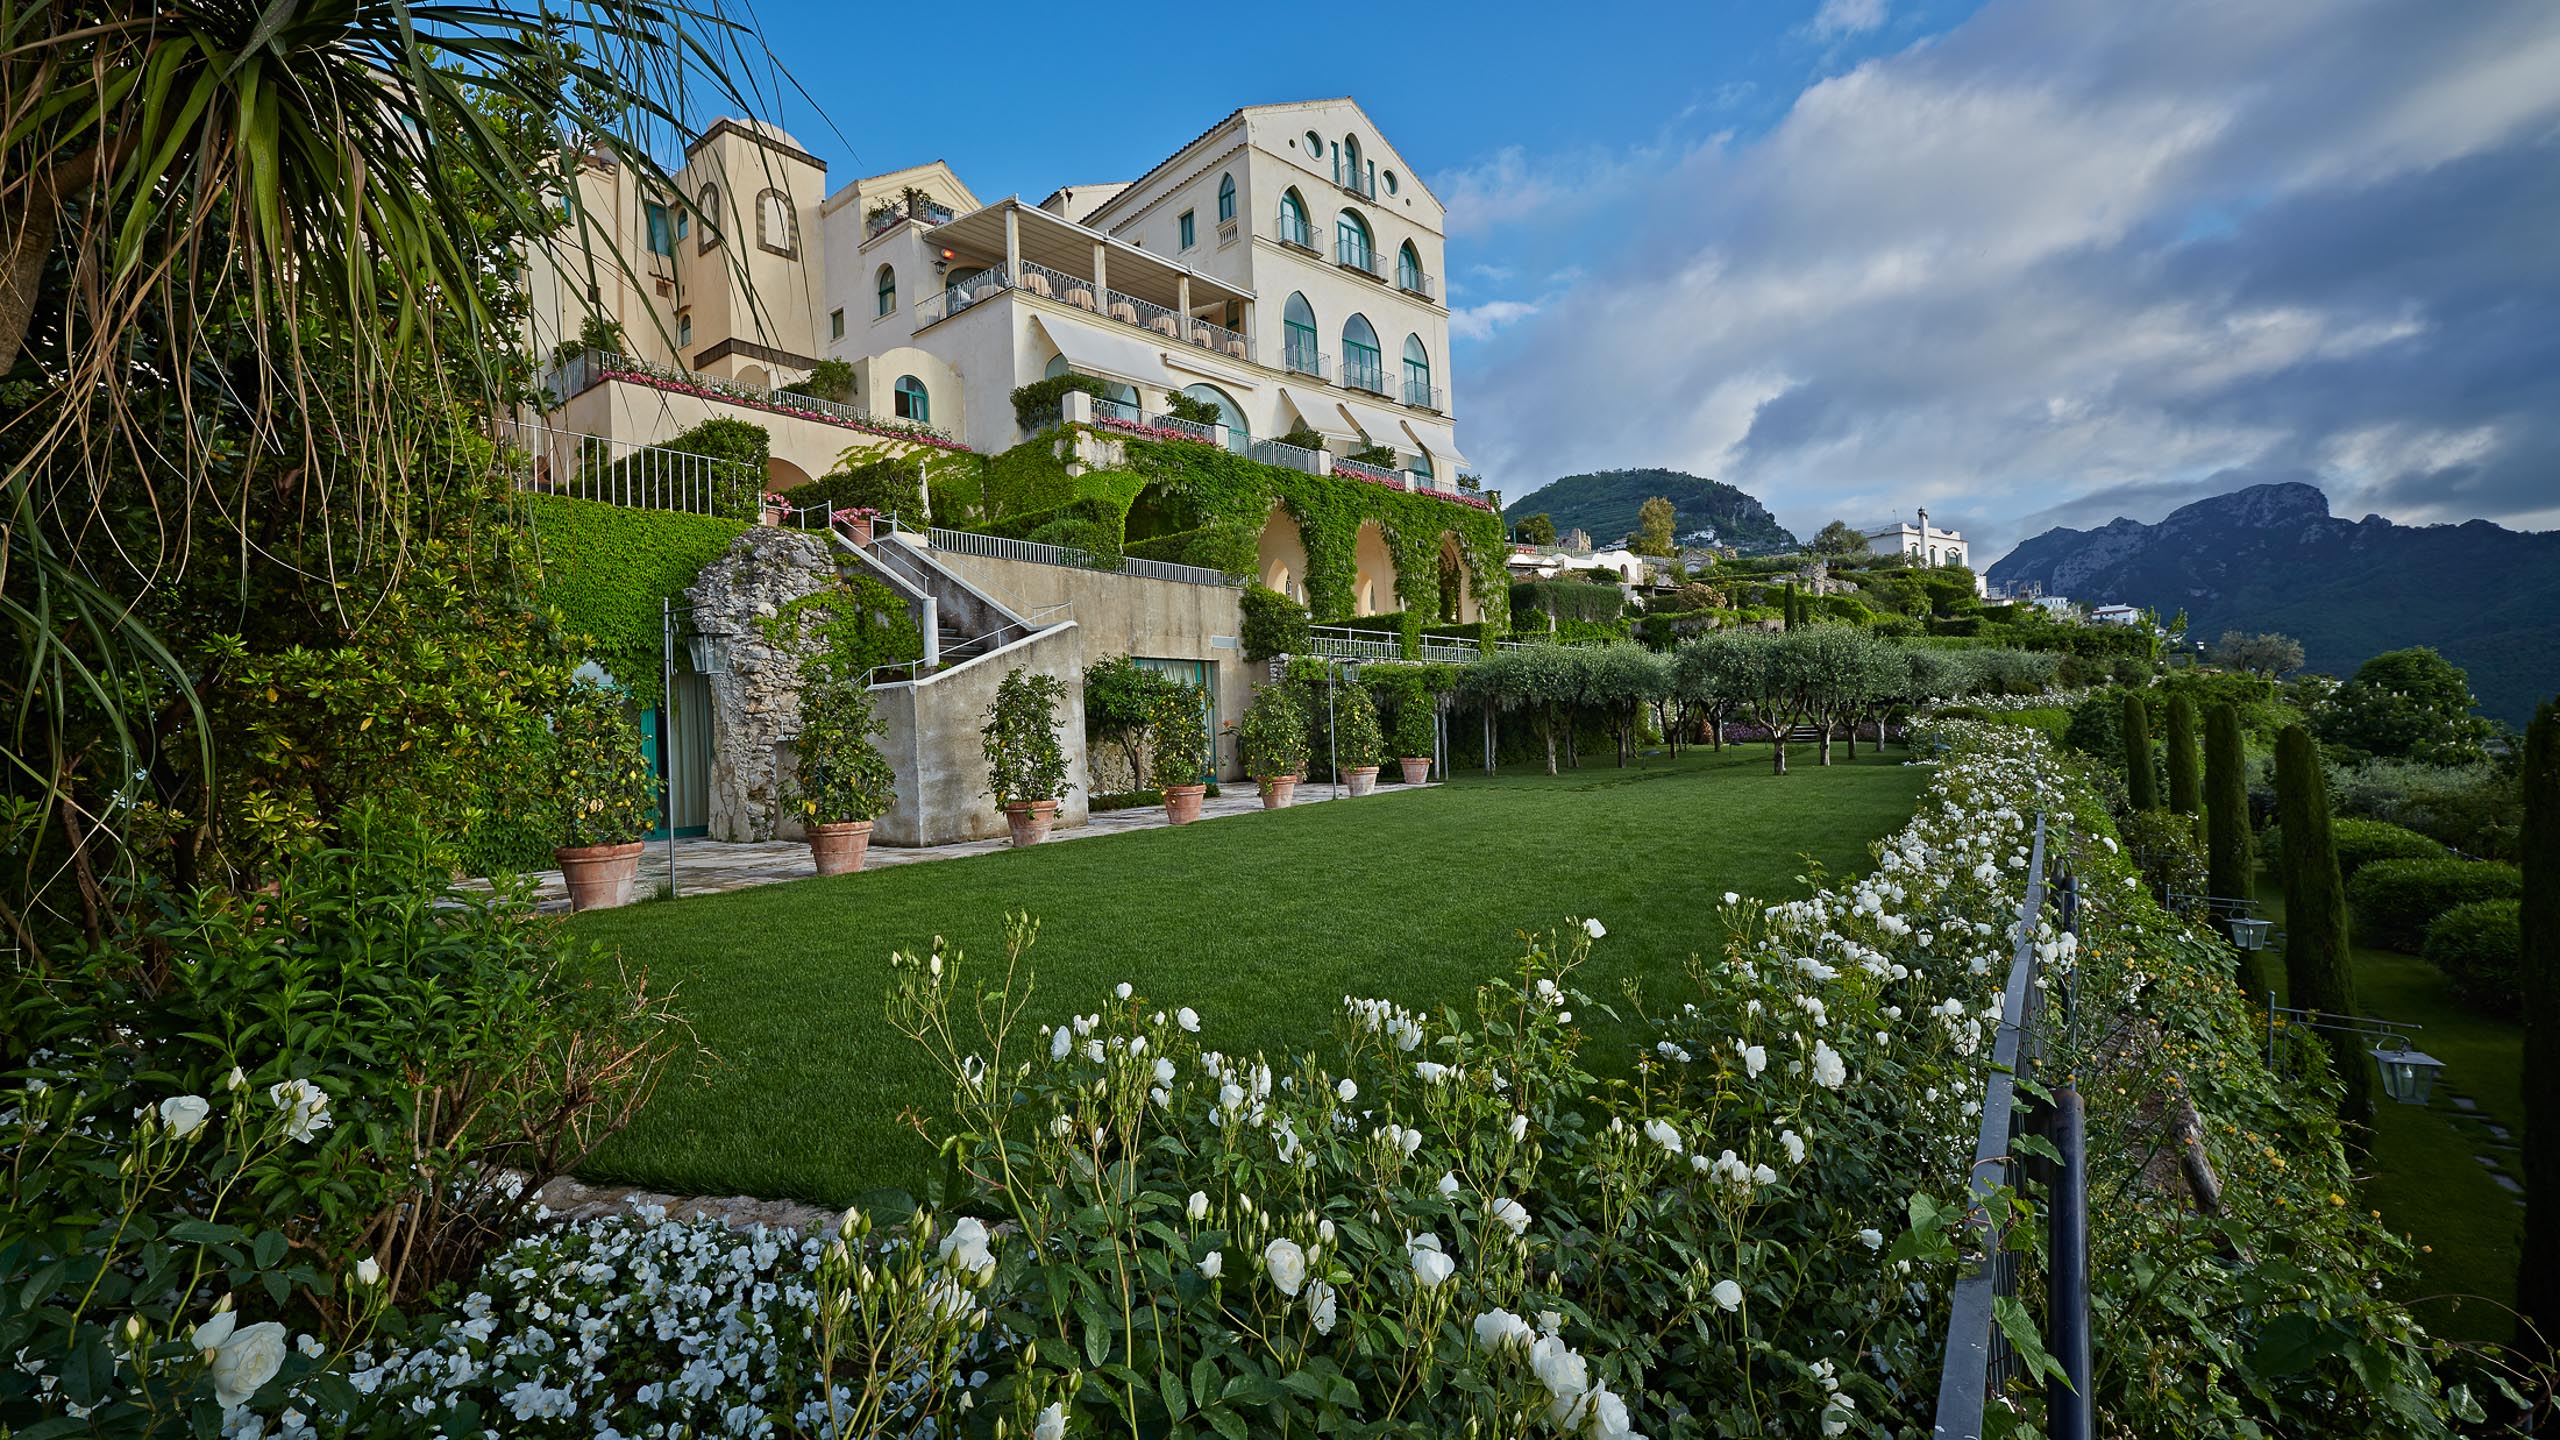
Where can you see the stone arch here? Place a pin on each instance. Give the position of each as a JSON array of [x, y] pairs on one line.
[[781, 474], [1456, 588], [1280, 556], [1373, 576]]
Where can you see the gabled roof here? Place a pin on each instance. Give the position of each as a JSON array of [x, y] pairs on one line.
[[1139, 184]]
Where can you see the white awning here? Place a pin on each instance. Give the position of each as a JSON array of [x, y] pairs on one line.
[[1107, 349], [1445, 459], [1319, 418], [1380, 427]]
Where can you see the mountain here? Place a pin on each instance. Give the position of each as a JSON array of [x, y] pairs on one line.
[[2272, 557], [1605, 504]]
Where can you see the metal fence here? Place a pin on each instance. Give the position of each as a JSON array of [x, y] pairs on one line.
[[619, 472], [1979, 1359], [1345, 642], [1032, 552]]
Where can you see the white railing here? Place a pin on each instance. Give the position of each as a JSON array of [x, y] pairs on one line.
[[880, 221], [1349, 642], [1288, 457], [621, 472], [960, 294], [1413, 281], [1058, 285], [1353, 254], [1218, 339], [1005, 547], [1359, 183], [1297, 233], [1301, 359], [1053, 284], [578, 373], [1371, 473], [1362, 372], [1423, 396]]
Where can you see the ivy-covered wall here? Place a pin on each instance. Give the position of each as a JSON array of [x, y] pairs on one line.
[[607, 569], [1201, 505]]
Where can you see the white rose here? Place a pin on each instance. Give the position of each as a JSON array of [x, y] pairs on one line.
[[1594, 929], [1320, 1307], [1727, 1295], [1213, 1264], [242, 1358], [305, 1107], [1497, 1329], [1794, 1145], [1513, 1215], [1286, 1264], [1732, 897], [1755, 1058], [368, 1271], [1609, 1416], [1448, 1182], [238, 1079], [1662, 1134], [1519, 1127], [966, 1247], [1566, 1375], [1061, 1040], [1198, 1206], [1121, 990], [1430, 1268], [184, 1114], [1188, 1019], [1873, 1239], [1432, 1071], [1348, 1091], [1829, 1070], [1052, 1424]]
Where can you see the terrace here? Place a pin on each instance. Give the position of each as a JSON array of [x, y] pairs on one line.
[[1010, 246]]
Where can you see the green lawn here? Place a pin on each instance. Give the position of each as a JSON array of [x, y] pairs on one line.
[[1262, 922], [2425, 1176]]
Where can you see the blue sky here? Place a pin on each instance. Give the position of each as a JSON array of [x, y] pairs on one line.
[[2030, 262]]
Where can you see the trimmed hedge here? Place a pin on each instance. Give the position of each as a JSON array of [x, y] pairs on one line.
[[2480, 948], [605, 568], [2394, 901], [2362, 842]]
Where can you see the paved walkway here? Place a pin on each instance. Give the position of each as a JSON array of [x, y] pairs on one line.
[[708, 866]]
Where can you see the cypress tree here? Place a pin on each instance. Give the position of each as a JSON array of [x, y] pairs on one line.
[[2538, 1270], [2141, 776], [2230, 865], [2186, 789], [2319, 966]]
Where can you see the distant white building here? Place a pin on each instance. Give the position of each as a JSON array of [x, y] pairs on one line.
[[1536, 562], [2115, 615], [1925, 545]]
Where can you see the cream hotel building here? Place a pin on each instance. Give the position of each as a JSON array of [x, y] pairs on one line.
[[1285, 266]]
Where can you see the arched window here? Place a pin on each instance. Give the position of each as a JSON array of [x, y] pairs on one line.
[[1298, 331], [1363, 363], [1422, 464], [708, 202], [884, 288], [1226, 198], [1409, 268], [1351, 242], [913, 403], [1350, 169], [777, 224], [1417, 374], [1294, 229], [1229, 413]]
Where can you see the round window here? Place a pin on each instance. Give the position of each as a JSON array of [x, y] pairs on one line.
[[1390, 177], [1315, 143]]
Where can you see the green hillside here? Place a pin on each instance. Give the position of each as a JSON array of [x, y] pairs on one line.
[[1604, 504]]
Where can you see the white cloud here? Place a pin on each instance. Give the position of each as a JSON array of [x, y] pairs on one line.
[[1478, 322], [1971, 274], [1838, 18]]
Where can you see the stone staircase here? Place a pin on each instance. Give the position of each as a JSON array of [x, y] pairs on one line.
[[962, 621]]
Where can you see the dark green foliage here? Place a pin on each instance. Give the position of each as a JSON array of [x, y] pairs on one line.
[[1538, 529], [2318, 965], [2230, 869], [1025, 762], [2163, 846], [2141, 766], [2477, 945], [607, 794], [1837, 538], [2408, 704], [2130, 670], [1378, 457], [1606, 504], [2396, 900], [840, 774], [2361, 842], [1413, 709], [1273, 624], [2538, 1271], [1120, 697], [1206, 412], [890, 484], [1274, 732], [1036, 404], [1178, 736], [827, 380], [1562, 599], [2186, 777], [607, 568], [2097, 729], [2476, 809]]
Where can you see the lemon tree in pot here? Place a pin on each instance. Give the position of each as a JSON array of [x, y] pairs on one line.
[[842, 782], [607, 796], [1026, 766], [1273, 736], [1413, 740], [1178, 743], [1356, 741]]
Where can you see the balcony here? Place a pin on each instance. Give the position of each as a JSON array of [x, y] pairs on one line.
[[1359, 183], [1366, 372], [1296, 233], [1300, 358], [1421, 283], [1050, 283], [887, 216], [1353, 254], [1422, 395]]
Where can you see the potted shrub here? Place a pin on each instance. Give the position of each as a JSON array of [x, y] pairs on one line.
[[1026, 766], [1273, 737], [856, 521], [774, 508], [1413, 738], [607, 796], [1178, 737], [843, 782], [1356, 741]]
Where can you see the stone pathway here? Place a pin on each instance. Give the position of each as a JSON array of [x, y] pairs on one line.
[[704, 867]]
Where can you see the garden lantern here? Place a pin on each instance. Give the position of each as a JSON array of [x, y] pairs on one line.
[[2407, 1075], [2249, 933], [710, 653]]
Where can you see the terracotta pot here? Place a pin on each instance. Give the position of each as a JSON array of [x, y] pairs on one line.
[[599, 876], [1278, 791], [1415, 771], [1363, 778], [1182, 803], [770, 517], [857, 528], [1030, 820], [838, 848]]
